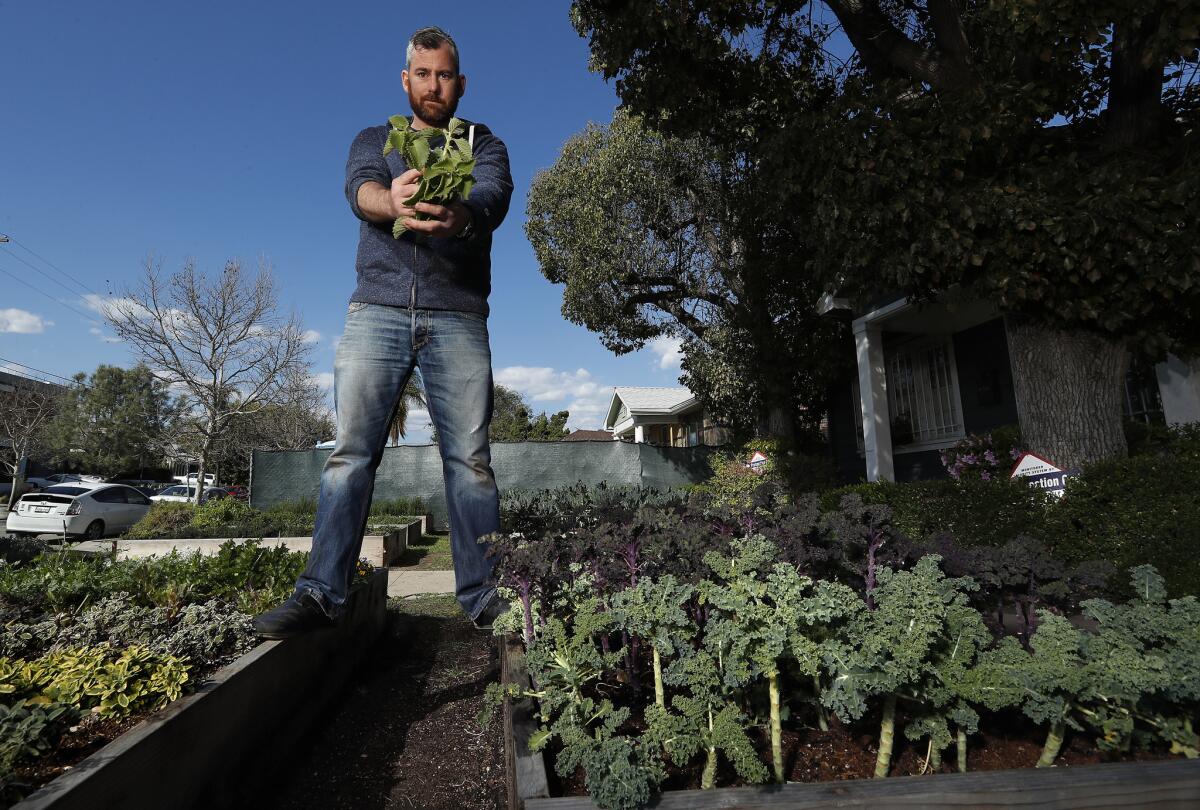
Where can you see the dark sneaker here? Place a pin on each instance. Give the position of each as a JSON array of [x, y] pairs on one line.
[[298, 615], [491, 610]]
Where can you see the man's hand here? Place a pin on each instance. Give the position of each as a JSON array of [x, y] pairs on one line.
[[403, 188], [447, 220]]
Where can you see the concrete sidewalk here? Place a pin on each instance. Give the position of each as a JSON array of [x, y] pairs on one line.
[[410, 582]]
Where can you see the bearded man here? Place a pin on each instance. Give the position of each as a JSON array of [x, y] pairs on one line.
[[421, 302]]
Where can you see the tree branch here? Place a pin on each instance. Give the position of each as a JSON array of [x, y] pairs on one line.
[[946, 19], [888, 53]]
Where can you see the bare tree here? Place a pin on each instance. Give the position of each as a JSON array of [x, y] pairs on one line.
[[26, 406], [219, 342]]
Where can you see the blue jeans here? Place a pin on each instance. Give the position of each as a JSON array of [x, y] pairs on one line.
[[376, 356]]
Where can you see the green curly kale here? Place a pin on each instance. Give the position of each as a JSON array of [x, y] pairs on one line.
[[905, 646], [654, 611], [445, 170], [706, 718], [760, 614]]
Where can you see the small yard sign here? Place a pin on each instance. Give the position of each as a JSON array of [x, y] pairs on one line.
[[757, 462], [1042, 474]]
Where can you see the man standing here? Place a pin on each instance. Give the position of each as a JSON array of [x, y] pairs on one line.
[[421, 301]]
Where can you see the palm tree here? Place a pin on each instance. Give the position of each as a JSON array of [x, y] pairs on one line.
[[414, 394]]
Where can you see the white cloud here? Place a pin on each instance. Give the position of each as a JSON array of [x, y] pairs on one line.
[[311, 336], [20, 322], [98, 332], [324, 379], [547, 384], [668, 351], [552, 390]]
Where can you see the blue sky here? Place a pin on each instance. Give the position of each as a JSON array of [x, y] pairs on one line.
[[219, 130]]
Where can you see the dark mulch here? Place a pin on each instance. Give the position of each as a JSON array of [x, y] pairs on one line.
[[92, 734], [407, 737]]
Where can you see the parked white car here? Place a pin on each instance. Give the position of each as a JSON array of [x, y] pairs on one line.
[[78, 509], [74, 478], [209, 479], [32, 484], [183, 494]]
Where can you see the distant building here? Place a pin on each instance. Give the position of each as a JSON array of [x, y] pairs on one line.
[[588, 436], [668, 417]]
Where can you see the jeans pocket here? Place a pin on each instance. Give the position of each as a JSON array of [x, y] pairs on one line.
[[355, 306]]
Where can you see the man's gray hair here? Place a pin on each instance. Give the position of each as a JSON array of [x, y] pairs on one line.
[[430, 39]]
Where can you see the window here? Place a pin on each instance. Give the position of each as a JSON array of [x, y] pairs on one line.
[[1143, 400], [135, 497], [110, 495], [923, 399], [923, 396]]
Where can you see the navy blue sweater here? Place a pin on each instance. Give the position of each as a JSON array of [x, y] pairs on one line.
[[418, 270]]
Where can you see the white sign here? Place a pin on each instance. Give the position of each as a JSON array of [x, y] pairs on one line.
[[758, 462], [1041, 474]]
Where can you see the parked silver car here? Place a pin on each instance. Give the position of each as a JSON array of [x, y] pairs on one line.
[[78, 509]]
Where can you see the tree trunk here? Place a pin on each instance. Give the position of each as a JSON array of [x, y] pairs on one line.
[[1068, 386], [778, 425]]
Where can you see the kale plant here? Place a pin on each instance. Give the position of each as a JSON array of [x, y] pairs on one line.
[[900, 649]]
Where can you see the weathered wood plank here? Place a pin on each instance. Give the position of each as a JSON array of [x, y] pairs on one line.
[[1170, 785], [526, 769]]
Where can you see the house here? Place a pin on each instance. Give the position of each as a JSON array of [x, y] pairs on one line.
[[588, 436], [929, 374], [668, 417]]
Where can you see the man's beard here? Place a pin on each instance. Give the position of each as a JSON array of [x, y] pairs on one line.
[[436, 113]]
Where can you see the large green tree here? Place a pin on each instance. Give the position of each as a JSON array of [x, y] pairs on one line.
[[657, 236], [112, 422], [514, 421], [1037, 155]]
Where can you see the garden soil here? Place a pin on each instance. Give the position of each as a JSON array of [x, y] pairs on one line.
[[407, 736]]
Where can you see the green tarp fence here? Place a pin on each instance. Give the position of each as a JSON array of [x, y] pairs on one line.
[[413, 472]]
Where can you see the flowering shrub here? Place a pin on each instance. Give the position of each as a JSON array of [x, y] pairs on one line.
[[984, 458]]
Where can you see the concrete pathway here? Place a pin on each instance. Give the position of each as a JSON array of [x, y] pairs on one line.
[[410, 583]]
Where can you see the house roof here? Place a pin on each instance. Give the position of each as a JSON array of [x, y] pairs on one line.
[[649, 401], [588, 436]]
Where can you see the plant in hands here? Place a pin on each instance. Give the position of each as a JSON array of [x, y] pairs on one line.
[[445, 170]]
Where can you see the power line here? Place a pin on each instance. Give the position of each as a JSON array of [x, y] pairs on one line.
[[43, 273], [47, 295], [42, 372], [28, 249]]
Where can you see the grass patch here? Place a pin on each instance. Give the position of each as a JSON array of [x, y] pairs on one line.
[[430, 553], [438, 605]]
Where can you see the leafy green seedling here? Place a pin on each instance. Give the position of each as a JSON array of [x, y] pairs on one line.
[[445, 169]]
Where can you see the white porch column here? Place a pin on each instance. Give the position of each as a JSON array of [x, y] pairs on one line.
[[1179, 387], [639, 434], [872, 387]]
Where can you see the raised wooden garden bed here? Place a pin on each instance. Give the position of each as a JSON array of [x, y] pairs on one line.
[[219, 746], [1166, 785], [381, 550]]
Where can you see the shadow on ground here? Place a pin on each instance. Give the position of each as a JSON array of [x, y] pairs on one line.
[[406, 735]]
